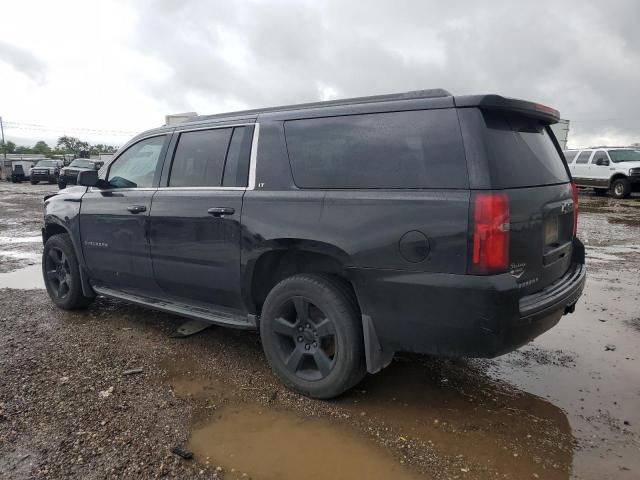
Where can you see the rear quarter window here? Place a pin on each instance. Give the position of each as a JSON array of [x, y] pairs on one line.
[[411, 149], [570, 155]]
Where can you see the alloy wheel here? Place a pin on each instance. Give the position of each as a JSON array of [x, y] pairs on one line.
[[58, 272], [306, 339]]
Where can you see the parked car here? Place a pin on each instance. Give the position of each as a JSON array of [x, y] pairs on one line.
[[68, 175], [345, 231], [45, 171], [17, 174], [613, 170]]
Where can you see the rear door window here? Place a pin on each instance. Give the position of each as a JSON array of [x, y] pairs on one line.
[[411, 149], [521, 152], [199, 158]]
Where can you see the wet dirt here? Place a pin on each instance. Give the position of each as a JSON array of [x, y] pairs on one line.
[[564, 406], [20, 223]]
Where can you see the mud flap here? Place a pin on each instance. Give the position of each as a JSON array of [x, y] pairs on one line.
[[376, 358], [189, 328]]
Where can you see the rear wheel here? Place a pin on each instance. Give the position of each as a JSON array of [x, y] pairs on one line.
[[620, 188], [34, 182], [312, 336], [62, 274]]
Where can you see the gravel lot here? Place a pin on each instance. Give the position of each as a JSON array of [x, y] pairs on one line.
[[107, 392]]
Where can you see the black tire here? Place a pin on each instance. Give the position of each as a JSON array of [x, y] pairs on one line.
[[34, 182], [620, 188], [62, 186], [312, 335], [600, 191], [61, 273]]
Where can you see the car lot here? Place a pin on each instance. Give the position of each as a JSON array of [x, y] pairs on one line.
[[73, 401]]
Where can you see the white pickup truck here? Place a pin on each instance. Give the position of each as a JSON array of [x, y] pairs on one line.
[[615, 170]]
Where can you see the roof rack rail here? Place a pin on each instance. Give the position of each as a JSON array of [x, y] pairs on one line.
[[430, 93]]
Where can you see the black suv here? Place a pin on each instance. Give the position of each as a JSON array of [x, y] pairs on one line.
[[68, 175], [45, 170], [344, 231]]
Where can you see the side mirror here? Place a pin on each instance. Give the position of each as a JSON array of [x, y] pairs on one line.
[[88, 178]]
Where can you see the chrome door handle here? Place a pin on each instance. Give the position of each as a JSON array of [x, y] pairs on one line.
[[221, 211]]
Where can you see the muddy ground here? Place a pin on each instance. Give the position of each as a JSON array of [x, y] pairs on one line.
[[107, 393]]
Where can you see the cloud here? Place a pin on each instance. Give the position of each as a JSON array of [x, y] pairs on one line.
[[23, 61], [580, 57], [127, 64]]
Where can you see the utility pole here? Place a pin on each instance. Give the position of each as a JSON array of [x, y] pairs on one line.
[[4, 149]]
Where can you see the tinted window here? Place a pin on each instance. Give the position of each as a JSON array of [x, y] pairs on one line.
[[599, 155], [583, 157], [414, 149], [199, 158], [625, 155], [136, 167], [570, 155], [236, 168], [521, 152], [82, 163]]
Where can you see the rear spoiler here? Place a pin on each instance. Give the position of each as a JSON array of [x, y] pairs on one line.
[[496, 102]]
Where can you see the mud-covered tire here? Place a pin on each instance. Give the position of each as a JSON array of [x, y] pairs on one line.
[[620, 188], [33, 182], [61, 273], [311, 333]]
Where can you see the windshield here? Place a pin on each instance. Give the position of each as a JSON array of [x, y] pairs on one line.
[[82, 163], [618, 156], [47, 163]]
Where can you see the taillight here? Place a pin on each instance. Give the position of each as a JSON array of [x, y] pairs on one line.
[[490, 243], [575, 209]]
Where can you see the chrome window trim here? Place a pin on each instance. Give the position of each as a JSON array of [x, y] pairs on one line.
[[251, 182], [251, 185]]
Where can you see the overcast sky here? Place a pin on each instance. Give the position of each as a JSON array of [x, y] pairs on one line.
[[120, 67]]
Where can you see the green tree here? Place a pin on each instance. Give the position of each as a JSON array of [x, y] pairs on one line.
[[100, 148], [72, 145], [23, 149], [8, 147], [42, 148]]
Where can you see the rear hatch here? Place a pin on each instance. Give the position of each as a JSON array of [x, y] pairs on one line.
[[512, 152]]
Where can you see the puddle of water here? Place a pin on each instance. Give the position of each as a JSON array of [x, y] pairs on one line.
[[599, 391], [13, 240], [275, 445], [25, 279]]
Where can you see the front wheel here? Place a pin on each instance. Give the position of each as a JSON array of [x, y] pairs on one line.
[[312, 336], [620, 188], [62, 274], [34, 182]]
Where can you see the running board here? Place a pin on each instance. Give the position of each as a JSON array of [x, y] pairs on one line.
[[212, 315]]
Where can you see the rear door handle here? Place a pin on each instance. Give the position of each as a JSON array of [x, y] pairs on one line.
[[137, 208], [221, 211]]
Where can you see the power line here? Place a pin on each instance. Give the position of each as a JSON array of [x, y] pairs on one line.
[[48, 128]]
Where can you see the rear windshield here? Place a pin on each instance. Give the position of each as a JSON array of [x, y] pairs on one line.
[[411, 149], [521, 152], [82, 164], [47, 163]]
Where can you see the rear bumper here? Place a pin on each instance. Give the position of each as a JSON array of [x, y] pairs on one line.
[[463, 315]]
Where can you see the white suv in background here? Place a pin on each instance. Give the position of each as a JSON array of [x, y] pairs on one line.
[[606, 169]]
